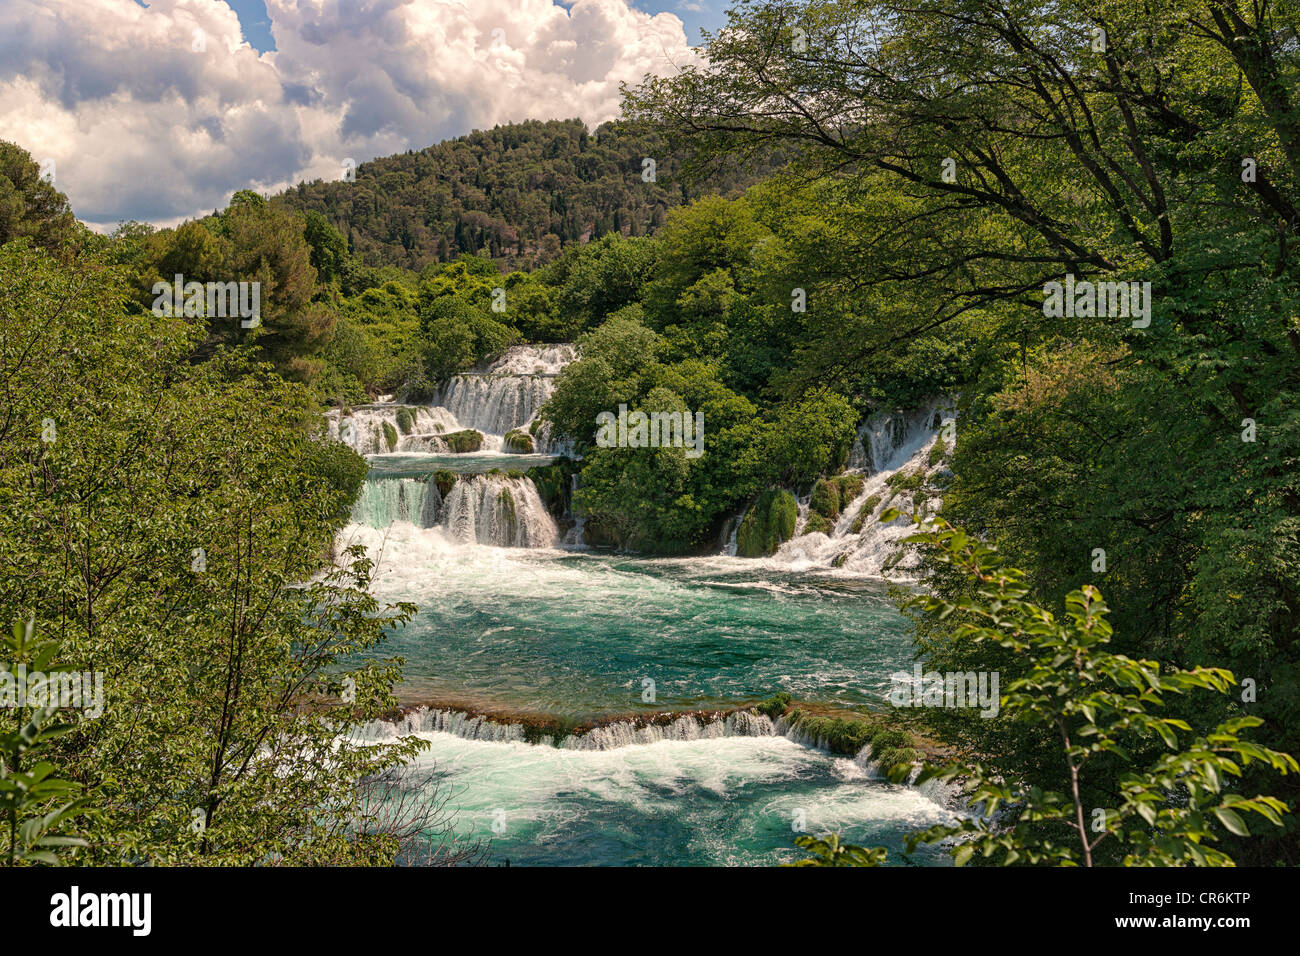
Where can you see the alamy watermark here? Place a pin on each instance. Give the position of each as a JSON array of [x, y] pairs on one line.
[[654, 430], [215, 300], [1123, 300], [82, 690], [950, 689]]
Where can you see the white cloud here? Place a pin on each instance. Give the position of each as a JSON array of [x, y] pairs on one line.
[[141, 125]]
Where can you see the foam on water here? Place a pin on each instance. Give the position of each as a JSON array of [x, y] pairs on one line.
[[716, 800]]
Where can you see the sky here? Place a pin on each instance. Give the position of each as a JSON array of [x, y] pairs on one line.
[[159, 110]]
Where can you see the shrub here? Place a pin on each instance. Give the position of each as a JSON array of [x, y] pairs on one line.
[[519, 442], [464, 442], [767, 524]]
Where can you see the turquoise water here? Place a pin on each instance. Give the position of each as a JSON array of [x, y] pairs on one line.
[[417, 465], [729, 801], [576, 636]]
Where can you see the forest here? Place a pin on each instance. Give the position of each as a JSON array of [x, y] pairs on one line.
[[859, 206]]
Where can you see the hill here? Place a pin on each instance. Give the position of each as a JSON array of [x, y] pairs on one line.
[[517, 193]]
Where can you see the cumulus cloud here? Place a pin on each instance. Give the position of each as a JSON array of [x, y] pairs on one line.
[[160, 113]]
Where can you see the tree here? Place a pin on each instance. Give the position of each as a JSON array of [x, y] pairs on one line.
[[1096, 707], [174, 523], [30, 206]]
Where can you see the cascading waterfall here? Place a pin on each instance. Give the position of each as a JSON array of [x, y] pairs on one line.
[[888, 444], [496, 397], [617, 734], [498, 510], [383, 427], [479, 509], [387, 501], [507, 392]]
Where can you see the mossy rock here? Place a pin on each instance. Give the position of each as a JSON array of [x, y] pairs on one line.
[[444, 479], [825, 499], [839, 735], [769, 522], [906, 481], [774, 706], [839, 560], [889, 740], [891, 757], [937, 453], [850, 487], [464, 442], [405, 421], [865, 512], [390, 436], [519, 442], [818, 523]]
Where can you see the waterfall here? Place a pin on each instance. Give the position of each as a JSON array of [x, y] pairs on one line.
[[481, 509], [507, 392], [389, 500], [888, 446], [624, 733], [380, 428], [887, 440], [498, 510]]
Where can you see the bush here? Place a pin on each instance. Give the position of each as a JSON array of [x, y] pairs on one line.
[[774, 706], [444, 479], [464, 442], [519, 442], [767, 524]]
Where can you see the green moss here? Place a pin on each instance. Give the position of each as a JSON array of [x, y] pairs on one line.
[[463, 442], [519, 442], [825, 499], [865, 512], [937, 453], [444, 479], [892, 757], [390, 436], [850, 487], [830, 496], [405, 422], [908, 481], [817, 522], [774, 706], [837, 734], [770, 521], [888, 739]]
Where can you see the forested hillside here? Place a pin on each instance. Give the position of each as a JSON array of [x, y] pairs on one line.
[[517, 192]]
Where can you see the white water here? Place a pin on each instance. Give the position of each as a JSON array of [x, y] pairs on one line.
[[427, 722], [480, 509], [503, 394], [717, 801], [507, 392], [887, 443]]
